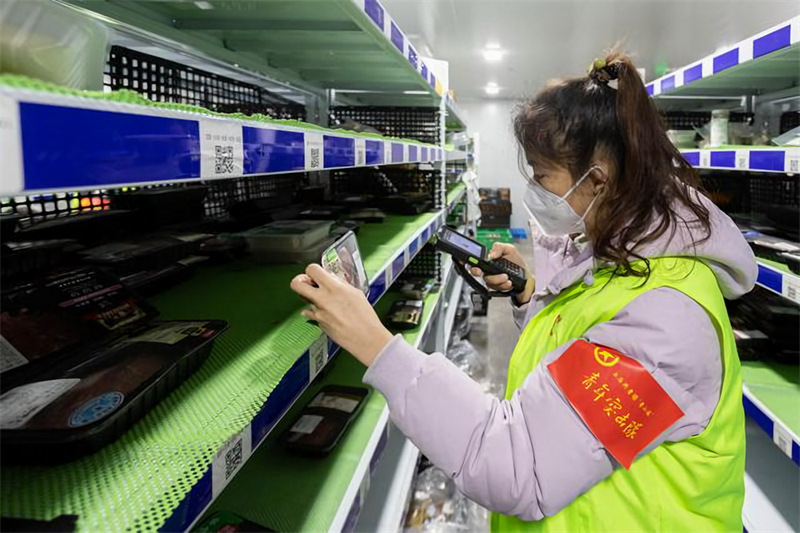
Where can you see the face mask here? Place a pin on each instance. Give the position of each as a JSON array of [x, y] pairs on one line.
[[552, 213]]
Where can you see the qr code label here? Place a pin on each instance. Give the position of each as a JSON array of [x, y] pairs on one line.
[[229, 460], [221, 150], [387, 152], [317, 356], [361, 152], [782, 439], [742, 159], [791, 288], [315, 151], [223, 163], [705, 159]]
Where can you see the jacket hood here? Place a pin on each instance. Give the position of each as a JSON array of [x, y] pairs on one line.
[[725, 251]]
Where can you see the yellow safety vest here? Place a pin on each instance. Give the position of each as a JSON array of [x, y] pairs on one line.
[[695, 485]]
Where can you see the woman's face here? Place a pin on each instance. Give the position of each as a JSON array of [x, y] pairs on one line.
[[559, 181]]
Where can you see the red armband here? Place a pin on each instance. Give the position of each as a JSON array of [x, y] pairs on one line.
[[615, 396]]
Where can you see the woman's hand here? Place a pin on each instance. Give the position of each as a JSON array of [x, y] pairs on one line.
[[343, 313], [500, 282]]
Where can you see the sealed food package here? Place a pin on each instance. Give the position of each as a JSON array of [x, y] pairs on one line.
[[405, 314], [324, 421], [343, 259], [68, 411], [417, 288], [60, 311]]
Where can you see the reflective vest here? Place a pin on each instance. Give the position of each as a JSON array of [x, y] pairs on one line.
[[695, 485]]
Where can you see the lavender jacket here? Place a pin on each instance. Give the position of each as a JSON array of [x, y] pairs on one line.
[[530, 456]]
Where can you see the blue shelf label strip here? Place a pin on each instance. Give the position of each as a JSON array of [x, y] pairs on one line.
[[375, 12], [67, 147], [425, 72], [727, 60], [433, 81], [667, 84], [375, 152], [272, 150], [693, 158], [767, 160], [397, 153], [770, 278], [767, 424], [723, 159], [780, 38], [692, 74], [339, 151], [398, 265], [424, 156], [413, 58], [650, 89], [397, 37], [412, 153]]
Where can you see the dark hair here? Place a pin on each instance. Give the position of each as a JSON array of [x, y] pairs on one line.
[[570, 122]]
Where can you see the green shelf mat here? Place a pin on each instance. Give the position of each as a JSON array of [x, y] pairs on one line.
[[453, 193], [286, 492], [137, 481], [776, 386], [776, 266]]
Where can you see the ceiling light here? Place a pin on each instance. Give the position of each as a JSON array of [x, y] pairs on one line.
[[204, 5], [493, 53], [492, 89]]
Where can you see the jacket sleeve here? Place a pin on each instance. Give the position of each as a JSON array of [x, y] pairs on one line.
[[532, 455]]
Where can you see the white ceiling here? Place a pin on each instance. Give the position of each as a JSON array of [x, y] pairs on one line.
[[549, 39]]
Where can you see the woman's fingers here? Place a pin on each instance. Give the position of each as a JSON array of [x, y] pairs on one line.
[[475, 271], [303, 286]]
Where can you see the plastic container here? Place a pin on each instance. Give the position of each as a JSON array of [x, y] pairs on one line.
[[65, 413], [324, 421], [719, 127], [287, 235], [44, 40], [311, 254]]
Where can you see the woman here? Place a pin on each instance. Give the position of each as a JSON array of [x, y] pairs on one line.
[[623, 404]]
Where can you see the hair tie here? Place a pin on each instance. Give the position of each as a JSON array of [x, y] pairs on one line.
[[603, 73]]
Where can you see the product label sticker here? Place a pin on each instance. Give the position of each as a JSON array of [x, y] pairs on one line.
[[315, 151], [317, 356], [307, 424], [221, 149], [791, 287], [22, 403], [10, 356], [742, 159], [782, 439], [96, 409], [171, 333], [361, 152], [705, 159], [792, 160], [615, 396], [387, 152], [330, 401], [229, 460]]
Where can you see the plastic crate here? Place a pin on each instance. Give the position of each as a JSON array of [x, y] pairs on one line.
[[488, 237]]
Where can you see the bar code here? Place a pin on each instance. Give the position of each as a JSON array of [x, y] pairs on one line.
[[315, 158], [233, 459], [319, 359], [223, 159]]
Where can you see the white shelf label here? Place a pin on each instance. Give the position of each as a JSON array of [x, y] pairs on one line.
[[361, 152], [11, 141], [705, 159], [389, 275], [782, 439], [792, 162], [230, 459], [387, 153], [791, 287], [405, 153], [317, 356], [742, 159], [315, 151], [221, 149]]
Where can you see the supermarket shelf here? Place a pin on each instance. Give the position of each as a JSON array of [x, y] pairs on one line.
[[62, 142], [778, 279], [746, 159], [454, 196], [772, 399], [346, 45], [290, 493], [453, 120], [764, 63], [165, 477]]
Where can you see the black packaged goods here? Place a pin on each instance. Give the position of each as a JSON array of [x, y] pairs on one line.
[[163, 206], [62, 414], [87, 228], [21, 258]]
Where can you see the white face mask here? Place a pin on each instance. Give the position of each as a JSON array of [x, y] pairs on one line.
[[552, 213]]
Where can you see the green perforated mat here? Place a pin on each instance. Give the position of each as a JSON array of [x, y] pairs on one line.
[[136, 482], [777, 386], [289, 493]]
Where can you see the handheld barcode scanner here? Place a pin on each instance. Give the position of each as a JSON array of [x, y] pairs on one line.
[[466, 251]]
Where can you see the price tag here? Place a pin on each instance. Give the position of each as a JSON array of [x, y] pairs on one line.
[[315, 151], [405, 154], [361, 152], [705, 159], [782, 439], [742, 159], [792, 162], [317, 357], [387, 153], [230, 459], [791, 287], [221, 149]]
